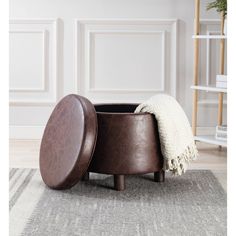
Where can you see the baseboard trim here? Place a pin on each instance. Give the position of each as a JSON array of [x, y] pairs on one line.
[[36, 132], [26, 132]]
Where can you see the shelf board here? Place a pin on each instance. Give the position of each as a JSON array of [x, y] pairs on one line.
[[209, 37], [209, 89], [210, 139]]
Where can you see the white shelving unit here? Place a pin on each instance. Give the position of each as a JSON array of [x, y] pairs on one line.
[[209, 37], [209, 89], [196, 87], [210, 139]]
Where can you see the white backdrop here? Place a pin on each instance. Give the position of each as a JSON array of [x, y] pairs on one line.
[[108, 51]]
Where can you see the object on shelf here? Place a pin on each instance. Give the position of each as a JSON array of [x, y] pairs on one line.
[[221, 132], [221, 81], [221, 7], [221, 85], [221, 137], [221, 128]]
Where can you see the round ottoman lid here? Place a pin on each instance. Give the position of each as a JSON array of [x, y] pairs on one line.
[[68, 142]]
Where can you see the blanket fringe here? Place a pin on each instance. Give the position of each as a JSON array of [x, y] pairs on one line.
[[178, 165]]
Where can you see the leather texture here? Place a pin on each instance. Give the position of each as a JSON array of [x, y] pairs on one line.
[[127, 142], [68, 142]]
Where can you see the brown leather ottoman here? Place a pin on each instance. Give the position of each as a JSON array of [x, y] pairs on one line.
[[106, 138], [127, 143]]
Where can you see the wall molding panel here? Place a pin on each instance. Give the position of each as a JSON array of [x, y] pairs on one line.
[[45, 91], [42, 88], [91, 78], [92, 40]]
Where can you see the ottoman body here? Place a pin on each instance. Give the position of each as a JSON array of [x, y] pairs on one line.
[[127, 142]]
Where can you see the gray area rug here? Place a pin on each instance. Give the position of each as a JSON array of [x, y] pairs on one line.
[[192, 204]]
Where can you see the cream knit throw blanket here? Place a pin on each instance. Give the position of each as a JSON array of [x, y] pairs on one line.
[[176, 138]]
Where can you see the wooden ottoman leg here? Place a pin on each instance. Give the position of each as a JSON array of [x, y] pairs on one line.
[[119, 182], [85, 176], [159, 176]]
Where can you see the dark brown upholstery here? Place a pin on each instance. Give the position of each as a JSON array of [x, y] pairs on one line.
[[127, 143]]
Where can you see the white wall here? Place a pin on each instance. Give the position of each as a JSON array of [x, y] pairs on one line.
[[106, 50]]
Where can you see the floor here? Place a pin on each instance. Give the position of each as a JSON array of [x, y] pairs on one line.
[[25, 154]]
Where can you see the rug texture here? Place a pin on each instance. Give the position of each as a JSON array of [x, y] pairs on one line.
[[191, 204]]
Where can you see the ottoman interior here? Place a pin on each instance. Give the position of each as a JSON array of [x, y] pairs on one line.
[[115, 108]]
